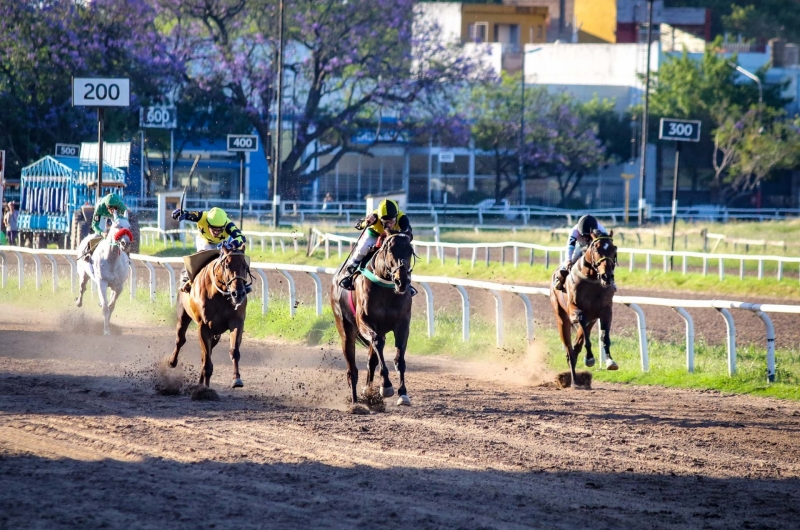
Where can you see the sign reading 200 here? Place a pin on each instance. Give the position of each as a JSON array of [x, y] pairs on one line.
[[101, 92]]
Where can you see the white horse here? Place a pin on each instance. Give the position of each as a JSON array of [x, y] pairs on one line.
[[109, 266]]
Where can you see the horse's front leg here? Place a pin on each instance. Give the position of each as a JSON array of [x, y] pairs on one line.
[[102, 291], [378, 342], [372, 364], [206, 366], [237, 330], [184, 319], [565, 330], [605, 339], [587, 340], [347, 332], [400, 342], [84, 278]]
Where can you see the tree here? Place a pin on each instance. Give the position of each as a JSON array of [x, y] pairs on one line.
[[753, 19], [44, 44], [352, 66], [560, 138], [746, 151]]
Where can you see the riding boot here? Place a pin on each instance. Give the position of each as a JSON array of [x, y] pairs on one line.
[[186, 284], [248, 288], [347, 282], [413, 291], [558, 283]]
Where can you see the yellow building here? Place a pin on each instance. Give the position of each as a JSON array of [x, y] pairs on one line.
[[596, 20], [512, 26]]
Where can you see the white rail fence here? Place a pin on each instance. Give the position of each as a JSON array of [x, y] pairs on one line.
[[527, 252], [522, 292]]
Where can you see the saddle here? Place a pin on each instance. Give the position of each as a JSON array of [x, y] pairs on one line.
[[194, 263]]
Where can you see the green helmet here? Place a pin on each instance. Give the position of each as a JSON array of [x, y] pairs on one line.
[[113, 200], [217, 218]]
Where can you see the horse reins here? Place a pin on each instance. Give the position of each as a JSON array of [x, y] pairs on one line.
[[385, 249]]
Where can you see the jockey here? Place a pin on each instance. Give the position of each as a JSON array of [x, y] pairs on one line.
[[386, 217], [579, 240], [109, 207], [215, 229]]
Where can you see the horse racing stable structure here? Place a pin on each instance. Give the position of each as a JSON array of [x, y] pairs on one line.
[[53, 192]]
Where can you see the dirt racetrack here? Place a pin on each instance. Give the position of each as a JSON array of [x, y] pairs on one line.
[[86, 442]]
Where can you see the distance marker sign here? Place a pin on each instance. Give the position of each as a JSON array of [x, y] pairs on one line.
[[242, 142], [679, 130], [101, 92]]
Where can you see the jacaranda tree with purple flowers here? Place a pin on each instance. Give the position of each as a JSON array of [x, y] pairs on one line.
[[353, 68], [43, 44], [560, 139]]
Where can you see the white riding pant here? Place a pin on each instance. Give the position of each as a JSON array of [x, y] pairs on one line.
[[202, 244], [363, 245]]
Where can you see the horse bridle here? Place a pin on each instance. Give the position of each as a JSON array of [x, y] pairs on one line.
[[228, 293], [385, 250], [594, 264]]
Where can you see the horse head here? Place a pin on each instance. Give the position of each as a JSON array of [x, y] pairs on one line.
[[394, 261], [602, 256], [119, 234], [231, 274]]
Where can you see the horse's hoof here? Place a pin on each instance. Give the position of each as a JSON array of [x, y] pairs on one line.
[[106, 332], [404, 400], [237, 383], [78, 303], [589, 361], [387, 391], [611, 364]]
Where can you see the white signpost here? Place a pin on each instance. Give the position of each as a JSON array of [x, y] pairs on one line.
[[677, 131], [100, 92], [160, 117], [242, 143], [68, 150]]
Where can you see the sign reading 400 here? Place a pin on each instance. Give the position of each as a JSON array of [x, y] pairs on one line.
[[242, 142], [679, 130], [101, 92]]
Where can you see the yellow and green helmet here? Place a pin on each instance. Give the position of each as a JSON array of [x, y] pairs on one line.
[[217, 218]]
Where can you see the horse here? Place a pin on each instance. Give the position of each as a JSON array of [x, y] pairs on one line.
[[217, 302], [380, 303], [589, 296], [109, 266]]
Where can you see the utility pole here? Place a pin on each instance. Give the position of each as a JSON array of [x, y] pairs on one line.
[[276, 197], [643, 161]]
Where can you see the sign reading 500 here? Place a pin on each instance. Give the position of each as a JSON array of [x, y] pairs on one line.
[[101, 92]]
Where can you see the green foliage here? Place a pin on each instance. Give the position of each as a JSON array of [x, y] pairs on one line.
[[753, 19], [560, 134]]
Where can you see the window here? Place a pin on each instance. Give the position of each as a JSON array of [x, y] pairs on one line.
[[478, 31]]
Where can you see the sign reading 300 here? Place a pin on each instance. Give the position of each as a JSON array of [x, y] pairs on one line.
[[101, 92]]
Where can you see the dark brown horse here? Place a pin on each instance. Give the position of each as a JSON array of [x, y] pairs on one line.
[[217, 302], [589, 295], [380, 303]]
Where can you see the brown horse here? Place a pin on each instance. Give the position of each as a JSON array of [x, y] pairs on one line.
[[589, 295], [217, 302], [380, 303]]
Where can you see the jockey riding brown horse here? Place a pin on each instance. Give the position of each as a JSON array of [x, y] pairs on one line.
[[217, 302], [380, 303], [588, 298]]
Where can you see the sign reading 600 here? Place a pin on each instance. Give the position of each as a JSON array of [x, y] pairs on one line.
[[158, 117], [101, 92]]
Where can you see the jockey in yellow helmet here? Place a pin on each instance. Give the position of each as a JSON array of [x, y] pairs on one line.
[[386, 217], [214, 229]]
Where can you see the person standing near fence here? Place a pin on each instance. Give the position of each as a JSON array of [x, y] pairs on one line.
[[10, 220]]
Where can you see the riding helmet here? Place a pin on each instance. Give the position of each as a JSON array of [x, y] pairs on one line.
[[586, 225], [388, 209], [217, 218]]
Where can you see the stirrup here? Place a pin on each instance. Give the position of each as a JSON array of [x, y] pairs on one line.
[[347, 283], [186, 287]]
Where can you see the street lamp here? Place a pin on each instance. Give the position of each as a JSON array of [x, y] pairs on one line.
[[758, 82], [521, 170]]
